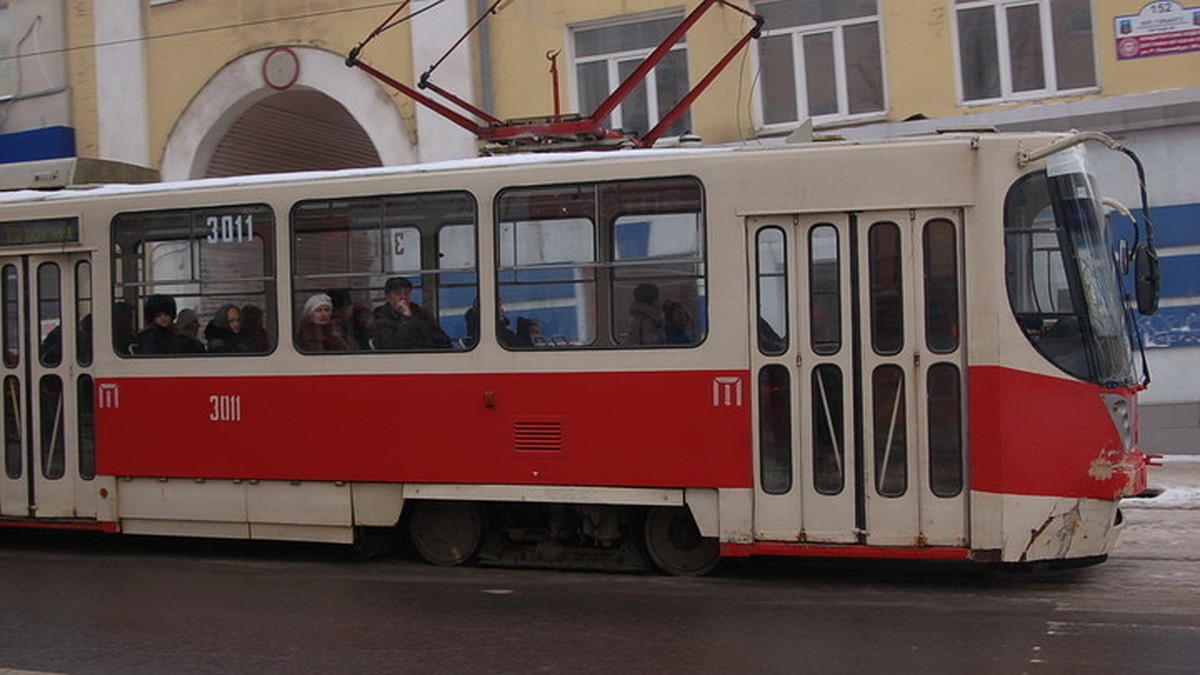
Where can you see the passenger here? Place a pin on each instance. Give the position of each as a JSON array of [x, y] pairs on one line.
[[83, 340], [678, 326], [124, 327], [254, 329], [160, 335], [401, 323], [318, 332], [529, 332], [224, 332], [342, 303], [51, 347], [503, 333], [361, 320], [188, 323], [646, 324]]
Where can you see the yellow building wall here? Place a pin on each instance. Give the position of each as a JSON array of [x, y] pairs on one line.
[[187, 43], [526, 30]]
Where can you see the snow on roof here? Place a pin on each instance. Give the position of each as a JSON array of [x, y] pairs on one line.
[[500, 161]]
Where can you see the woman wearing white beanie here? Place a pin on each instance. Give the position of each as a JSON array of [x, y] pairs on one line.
[[318, 332]]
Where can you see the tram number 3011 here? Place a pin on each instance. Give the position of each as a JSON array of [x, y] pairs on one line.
[[225, 408]]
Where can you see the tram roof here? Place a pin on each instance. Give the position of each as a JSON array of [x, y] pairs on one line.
[[474, 163]]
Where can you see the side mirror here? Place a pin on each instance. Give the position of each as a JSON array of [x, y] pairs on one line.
[[1146, 279]]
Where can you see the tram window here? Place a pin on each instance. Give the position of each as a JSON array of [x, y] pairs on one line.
[[775, 429], [54, 447], [890, 431], [772, 291], [887, 301], [207, 260], [86, 417], [824, 283], [829, 439], [941, 286], [945, 430], [50, 337], [604, 264], [348, 248], [12, 427], [10, 305], [83, 313]]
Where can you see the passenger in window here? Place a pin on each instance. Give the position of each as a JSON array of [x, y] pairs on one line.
[[318, 332], [124, 328], [341, 311], [678, 326], [161, 336], [646, 317], [401, 323], [529, 332], [188, 323], [361, 320], [503, 333], [254, 330], [224, 332]]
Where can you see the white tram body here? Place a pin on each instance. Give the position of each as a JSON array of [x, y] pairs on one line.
[[908, 349]]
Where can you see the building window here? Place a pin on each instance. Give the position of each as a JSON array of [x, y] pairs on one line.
[[819, 59], [8, 62], [606, 55], [1024, 48]]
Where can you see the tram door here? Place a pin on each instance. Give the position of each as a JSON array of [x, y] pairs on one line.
[[857, 355], [46, 383]]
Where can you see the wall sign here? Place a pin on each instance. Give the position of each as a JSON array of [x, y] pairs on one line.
[[1160, 29]]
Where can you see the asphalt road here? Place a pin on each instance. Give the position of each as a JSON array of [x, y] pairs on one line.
[[128, 605]]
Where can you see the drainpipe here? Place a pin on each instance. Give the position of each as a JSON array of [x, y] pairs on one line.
[[485, 61]]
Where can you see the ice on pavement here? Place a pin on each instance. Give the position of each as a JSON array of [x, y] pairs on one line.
[[1180, 489]]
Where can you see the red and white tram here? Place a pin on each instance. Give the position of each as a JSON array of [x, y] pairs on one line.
[[909, 349]]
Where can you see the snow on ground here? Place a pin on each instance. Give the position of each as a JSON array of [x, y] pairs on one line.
[[1179, 477]]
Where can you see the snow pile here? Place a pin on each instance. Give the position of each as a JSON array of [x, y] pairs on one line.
[[1179, 477]]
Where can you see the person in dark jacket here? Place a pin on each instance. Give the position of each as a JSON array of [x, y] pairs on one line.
[[401, 323], [224, 333], [160, 336], [254, 329], [646, 317]]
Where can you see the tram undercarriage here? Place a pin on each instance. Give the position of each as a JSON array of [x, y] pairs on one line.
[[560, 535]]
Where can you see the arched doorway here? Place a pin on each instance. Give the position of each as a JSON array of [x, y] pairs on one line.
[[329, 117], [297, 130]]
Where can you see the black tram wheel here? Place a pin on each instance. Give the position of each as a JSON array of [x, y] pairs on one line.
[[676, 545], [446, 533]]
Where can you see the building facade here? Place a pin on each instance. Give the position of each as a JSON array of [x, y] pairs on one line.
[[193, 88]]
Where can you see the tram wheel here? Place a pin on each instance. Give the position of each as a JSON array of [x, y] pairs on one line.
[[676, 545], [446, 533]]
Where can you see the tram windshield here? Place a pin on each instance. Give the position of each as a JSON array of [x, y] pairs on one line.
[[1062, 278]]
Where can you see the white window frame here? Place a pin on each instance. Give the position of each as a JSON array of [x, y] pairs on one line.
[[1049, 65], [613, 59], [800, 74]]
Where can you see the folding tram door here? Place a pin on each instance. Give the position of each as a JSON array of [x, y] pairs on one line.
[[46, 382], [857, 355]]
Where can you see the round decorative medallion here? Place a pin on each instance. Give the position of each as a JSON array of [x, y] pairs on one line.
[[281, 68]]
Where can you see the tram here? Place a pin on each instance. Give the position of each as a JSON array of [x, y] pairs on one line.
[[909, 349]]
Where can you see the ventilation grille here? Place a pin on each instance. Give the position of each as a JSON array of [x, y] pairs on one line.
[[537, 435]]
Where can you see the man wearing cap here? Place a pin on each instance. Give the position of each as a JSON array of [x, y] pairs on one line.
[[401, 323]]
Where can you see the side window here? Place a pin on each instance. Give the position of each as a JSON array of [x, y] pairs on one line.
[[609, 264], [189, 282], [819, 58], [83, 312], [824, 279], [386, 273]]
